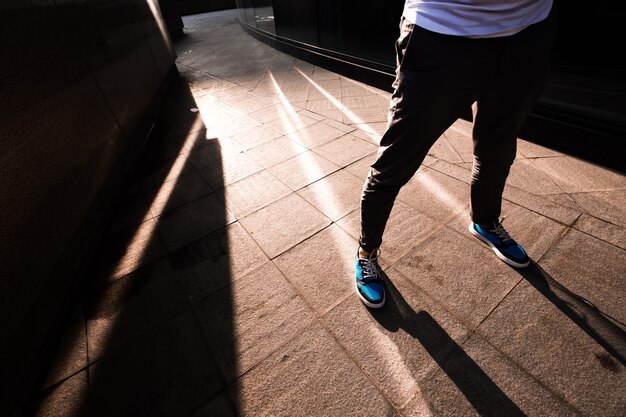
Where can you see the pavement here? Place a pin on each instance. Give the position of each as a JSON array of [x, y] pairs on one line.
[[225, 283]]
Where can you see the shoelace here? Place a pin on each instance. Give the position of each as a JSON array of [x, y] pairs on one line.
[[502, 234], [369, 266]]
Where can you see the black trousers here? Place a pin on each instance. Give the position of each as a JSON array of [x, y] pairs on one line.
[[437, 78]]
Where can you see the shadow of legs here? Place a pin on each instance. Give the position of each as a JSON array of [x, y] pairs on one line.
[[608, 332], [477, 387]]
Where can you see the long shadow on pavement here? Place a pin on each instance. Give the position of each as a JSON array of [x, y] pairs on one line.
[[479, 389], [607, 331], [149, 343]]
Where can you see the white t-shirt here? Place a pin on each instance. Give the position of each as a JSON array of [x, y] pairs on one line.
[[476, 18]]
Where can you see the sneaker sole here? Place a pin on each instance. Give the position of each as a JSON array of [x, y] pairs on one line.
[[496, 251], [366, 302]]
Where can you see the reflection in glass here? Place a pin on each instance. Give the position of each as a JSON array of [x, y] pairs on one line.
[[264, 15], [258, 14], [246, 11]]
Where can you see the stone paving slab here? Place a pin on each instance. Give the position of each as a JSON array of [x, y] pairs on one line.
[[71, 357], [443, 149], [216, 260], [130, 308], [574, 175], [254, 137], [131, 211], [361, 167], [253, 193], [526, 176], [315, 135], [598, 270], [462, 144], [303, 169], [126, 251], [561, 213], [319, 268], [171, 374], [67, 399], [608, 232], [193, 221], [256, 314], [461, 273], [312, 375], [275, 151], [229, 170], [406, 228], [166, 171], [283, 224], [290, 121], [401, 344], [478, 380], [608, 206], [335, 195], [345, 150], [457, 171], [532, 332], [532, 150], [437, 195], [174, 194]]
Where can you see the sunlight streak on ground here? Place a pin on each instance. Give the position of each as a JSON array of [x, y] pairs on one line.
[[355, 119], [291, 112], [439, 191], [389, 354], [309, 161], [363, 86], [147, 230]]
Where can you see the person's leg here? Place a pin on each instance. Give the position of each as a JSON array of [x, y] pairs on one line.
[[438, 77], [500, 112]]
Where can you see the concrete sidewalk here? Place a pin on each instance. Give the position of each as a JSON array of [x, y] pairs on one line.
[[225, 286]]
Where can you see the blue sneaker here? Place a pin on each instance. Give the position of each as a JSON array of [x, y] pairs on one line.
[[505, 248], [369, 284]]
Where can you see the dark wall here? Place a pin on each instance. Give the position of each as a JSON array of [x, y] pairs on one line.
[[297, 20], [187, 7], [588, 82], [260, 13], [172, 17], [590, 36], [78, 78], [367, 29]]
